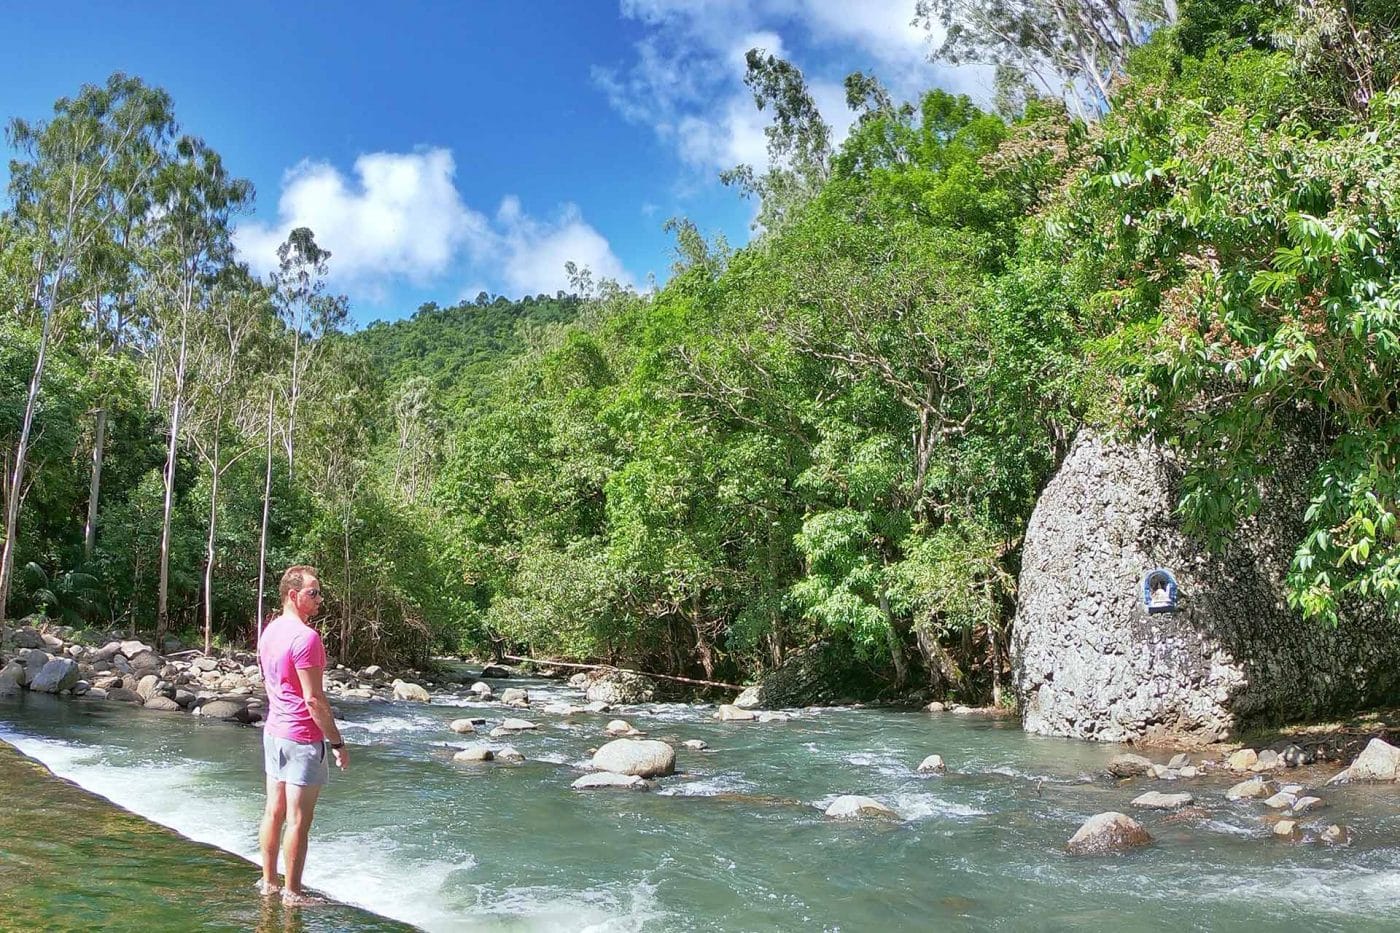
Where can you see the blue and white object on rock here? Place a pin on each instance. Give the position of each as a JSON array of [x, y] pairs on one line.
[[1159, 591]]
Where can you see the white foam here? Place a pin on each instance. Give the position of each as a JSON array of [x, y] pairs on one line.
[[1345, 892], [369, 870], [709, 787], [387, 725], [925, 806], [887, 765]]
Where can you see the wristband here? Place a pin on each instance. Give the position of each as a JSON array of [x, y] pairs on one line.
[[337, 746]]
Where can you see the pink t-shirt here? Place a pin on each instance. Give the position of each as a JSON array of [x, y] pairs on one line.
[[289, 644]]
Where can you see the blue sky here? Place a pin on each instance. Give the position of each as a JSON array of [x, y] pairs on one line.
[[439, 149]]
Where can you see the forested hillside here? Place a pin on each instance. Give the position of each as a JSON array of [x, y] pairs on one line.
[[456, 348], [834, 435]]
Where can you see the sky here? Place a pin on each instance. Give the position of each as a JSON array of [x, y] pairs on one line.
[[441, 149]]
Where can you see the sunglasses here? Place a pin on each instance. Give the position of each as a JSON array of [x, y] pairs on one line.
[[313, 593]]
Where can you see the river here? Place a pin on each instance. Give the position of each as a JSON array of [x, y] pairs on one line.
[[737, 841]]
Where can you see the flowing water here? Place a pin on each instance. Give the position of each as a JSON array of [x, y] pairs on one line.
[[737, 840]]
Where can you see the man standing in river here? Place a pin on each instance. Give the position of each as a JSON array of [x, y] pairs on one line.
[[300, 730]]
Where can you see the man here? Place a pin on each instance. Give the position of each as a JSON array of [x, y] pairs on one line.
[[299, 729]]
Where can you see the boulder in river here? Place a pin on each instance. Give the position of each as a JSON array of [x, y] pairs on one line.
[[162, 703], [411, 692], [518, 725], [1128, 765], [747, 698], [1242, 760], [695, 744], [621, 727], [1335, 835], [1378, 761], [462, 725], [1281, 801], [1244, 790], [509, 753], [57, 675], [515, 695], [620, 688], [608, 779], [481, 690], [474, 754], [855, 807], [495, 671], [728, 713], [933, 764], [1153, 800], [642, 757], [1286, 829], [227, 710], [1106, 833]]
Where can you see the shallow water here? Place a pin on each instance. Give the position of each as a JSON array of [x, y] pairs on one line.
[[737, 841], [72, 861]]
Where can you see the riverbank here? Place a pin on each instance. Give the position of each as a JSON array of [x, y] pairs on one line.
[[75, 861]]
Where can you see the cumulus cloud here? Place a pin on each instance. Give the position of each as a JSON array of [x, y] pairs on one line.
[[401, 218], [533, 252], [686, 81]]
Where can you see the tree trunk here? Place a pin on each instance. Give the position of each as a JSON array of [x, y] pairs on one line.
[[262, 537], [896, 642], [292, 403], [177, 410], [99, 445], [702, 643], [209, 546], [12, 494], [345, 598]]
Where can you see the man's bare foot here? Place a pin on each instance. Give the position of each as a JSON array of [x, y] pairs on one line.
[[267, 888], [292, 898]]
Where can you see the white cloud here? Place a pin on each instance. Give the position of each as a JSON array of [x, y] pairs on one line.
[[686, 81], [402, 219], [533, 253]]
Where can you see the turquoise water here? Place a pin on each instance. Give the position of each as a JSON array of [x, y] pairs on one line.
[[737, 841]]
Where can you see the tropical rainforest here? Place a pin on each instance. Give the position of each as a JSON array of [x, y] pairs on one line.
[[1175, 221]]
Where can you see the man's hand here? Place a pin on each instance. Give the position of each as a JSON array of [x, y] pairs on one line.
[[342, 758]]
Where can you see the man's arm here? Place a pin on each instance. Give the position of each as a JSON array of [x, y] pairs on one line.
[[313, 689]]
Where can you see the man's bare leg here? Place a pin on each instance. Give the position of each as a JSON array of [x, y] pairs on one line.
[[301, 807], [270, 833]]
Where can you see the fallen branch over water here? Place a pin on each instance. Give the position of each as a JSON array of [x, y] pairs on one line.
[[625, 670]]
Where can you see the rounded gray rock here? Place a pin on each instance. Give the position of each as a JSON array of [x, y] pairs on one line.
[[642, 757]]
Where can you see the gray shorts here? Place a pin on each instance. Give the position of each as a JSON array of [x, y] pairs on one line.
[[301, 763]]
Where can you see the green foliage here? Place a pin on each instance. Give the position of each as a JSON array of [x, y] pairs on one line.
[[835, 434]]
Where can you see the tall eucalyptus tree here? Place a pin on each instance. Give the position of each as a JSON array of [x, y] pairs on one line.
[[62, 188], [299, 287], [195, 197]]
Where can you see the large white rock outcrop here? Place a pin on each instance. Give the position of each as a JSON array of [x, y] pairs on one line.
[[1091, 663]]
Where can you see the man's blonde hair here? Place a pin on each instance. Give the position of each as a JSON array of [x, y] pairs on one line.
[[294, 578]]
